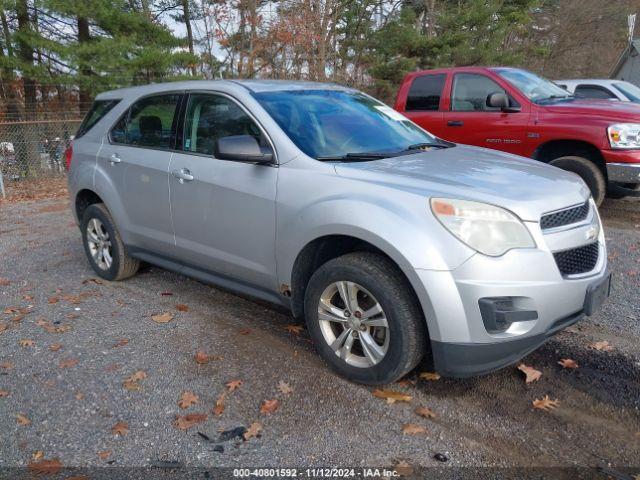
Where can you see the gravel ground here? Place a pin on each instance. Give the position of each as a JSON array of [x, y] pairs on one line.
[[74, 396]]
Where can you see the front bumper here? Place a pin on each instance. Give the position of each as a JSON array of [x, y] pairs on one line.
[[623, 166], [623, 172], [462, 343]]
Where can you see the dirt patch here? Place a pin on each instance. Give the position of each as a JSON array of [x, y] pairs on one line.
[[35, 189]]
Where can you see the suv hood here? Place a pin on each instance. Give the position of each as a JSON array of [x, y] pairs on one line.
[[526, 187], [604, 108]]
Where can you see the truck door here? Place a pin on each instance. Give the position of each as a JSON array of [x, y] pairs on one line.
[[469, 120], [423, 102]]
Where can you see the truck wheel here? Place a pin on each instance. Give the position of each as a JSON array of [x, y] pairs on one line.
[[588, 171], [363, 319], [103, 245]]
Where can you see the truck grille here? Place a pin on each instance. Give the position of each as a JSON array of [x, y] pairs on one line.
[[578, 260], [565, 217]]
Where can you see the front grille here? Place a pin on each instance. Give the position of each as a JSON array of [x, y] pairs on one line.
[[565, 217], [577, 260]]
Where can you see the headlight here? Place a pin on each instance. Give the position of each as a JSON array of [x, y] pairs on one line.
[[624, 135], [488, 229]]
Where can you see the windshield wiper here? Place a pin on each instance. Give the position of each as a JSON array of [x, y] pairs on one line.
[[555, 97], [353, 157], [420, 146]]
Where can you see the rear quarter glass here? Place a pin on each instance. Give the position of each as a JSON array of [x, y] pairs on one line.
[[97, 111]]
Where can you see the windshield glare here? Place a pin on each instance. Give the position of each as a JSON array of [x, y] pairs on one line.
[[534, 87], [333, 123]]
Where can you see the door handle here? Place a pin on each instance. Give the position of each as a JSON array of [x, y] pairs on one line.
[[183, 175], [115, 158], [455, 123]]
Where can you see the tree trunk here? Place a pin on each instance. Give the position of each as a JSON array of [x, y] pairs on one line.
[[187, 23], [84, 36]]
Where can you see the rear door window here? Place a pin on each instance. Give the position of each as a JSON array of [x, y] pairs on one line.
[[149, 123], [425, 93], [97, 111]]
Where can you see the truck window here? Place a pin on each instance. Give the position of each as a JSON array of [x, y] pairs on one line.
[[425, 93], [470, 92], [593, 91]]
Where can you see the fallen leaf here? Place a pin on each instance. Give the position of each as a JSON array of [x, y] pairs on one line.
[[294, 329], [162, 317], [413, 429], [68, 363], [269, 406], [284, 388], [22, 419], [97, 281], [4, 282], [4, 393], [166, 294], [79, 396], [244, 331], [6, 365], [601, 346], [132, 381], [234, 385], [219, 408], [405, 382], [181, 307], [120, 428], [53, 300], [403, 468], [201, 357], [10, 310], [532, 375], [187, 399], [26, 342], [568, 363], [425, 412], [120, 343], [432, 376], [253, 431], [3, 327], [392, 396], [104, 455], [545, 403], [37, 455], [187, 421], [27, 297], [54, 347], [45, 467]]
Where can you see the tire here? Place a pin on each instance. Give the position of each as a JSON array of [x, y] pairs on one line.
[[97, 219], [588, 171], [377, 280]]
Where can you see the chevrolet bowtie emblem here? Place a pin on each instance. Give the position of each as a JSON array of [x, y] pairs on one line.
[[592, 233]]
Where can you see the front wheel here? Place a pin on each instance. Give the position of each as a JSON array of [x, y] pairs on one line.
[[588, 171], [364, 319]]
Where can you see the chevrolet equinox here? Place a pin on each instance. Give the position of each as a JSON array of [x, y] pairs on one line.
[[390, 242]]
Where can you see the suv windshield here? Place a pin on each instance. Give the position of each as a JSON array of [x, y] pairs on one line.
[[537, 89], [330, 124]]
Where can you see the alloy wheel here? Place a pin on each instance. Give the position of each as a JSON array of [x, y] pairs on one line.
[[353, 324], [99, 244]]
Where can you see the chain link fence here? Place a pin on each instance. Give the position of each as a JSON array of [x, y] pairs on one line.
[[34, 149]]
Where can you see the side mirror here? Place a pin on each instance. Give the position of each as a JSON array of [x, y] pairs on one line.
[[242, 148], [500, 100]]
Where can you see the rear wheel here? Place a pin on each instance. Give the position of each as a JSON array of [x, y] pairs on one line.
[[588, 171], [364, 319], [102, 244]]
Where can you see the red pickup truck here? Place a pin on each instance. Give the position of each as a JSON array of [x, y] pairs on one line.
[[516, 111]]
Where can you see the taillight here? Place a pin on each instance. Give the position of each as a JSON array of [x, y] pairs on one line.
[[68, 155]]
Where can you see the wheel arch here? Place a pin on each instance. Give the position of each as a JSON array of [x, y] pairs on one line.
[[84, 198], [327, 247], [557, 148]]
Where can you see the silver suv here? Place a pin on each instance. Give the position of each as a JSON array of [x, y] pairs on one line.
[[388, 241]]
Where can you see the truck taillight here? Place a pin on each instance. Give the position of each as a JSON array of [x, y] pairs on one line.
[[68, 155]]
